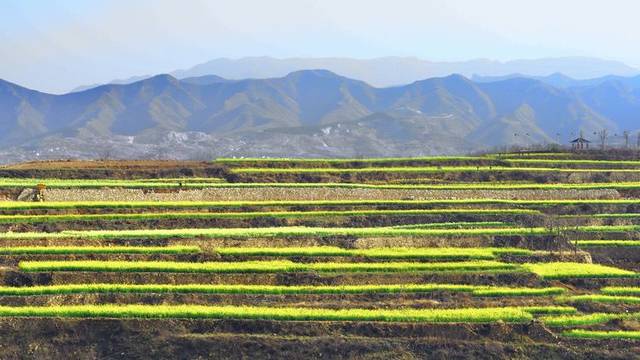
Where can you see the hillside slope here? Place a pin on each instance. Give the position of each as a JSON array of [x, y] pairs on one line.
[[306, 113]]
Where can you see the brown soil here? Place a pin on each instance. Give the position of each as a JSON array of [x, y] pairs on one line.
[[275, 193], [331, 221], [234, 339], [12, 277], [461, 176], [114, 169]]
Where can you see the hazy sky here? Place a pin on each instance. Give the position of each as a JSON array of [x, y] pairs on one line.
[[57, 45]]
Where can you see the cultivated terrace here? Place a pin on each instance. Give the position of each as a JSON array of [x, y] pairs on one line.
[[501, 255]]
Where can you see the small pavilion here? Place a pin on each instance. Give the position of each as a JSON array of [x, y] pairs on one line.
[[580, 143]]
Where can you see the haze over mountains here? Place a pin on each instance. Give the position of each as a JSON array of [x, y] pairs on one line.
[[391, 71], [310, 113]]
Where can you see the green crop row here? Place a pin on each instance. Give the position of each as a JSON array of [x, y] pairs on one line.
[[456, 225], [260, 214], [294, 231], [607, 243], [27, 250], [612, 299], [347, 160], [622, 215], [620, 290], [469, 315], [562, 270], [571, 161], [598, 335], [390, 253], [300, 231], [275, 289], [184, 180], [555, 160], [555, 270], [587, 319], [421, 169], [276, 266]]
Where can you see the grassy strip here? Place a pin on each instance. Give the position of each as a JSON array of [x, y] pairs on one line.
[[259, 266], [467, 315], [274, 289], [250, 215], [620, 290], [564, 270], [293, 231], [607, 243], [420, 169], [619, 215], [571, 161], [456, 225], [505, 291], [390, 253], [27, 250], [229, 161], [612, 299], [23, 205], [299, 231], [598, 335], [185, 180], [587, 319]]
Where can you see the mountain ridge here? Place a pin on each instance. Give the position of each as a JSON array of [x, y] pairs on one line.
[[308, 113]]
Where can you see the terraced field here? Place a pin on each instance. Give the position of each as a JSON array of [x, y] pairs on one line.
[[496, 256]]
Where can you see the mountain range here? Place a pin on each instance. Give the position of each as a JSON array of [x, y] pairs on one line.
[[393, 71], [309, 113]]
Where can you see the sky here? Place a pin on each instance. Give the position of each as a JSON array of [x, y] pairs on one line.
[[54, 46]]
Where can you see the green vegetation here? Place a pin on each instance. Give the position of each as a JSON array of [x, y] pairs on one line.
[[390, 253], [615, 299], [456, 225], [275, 289], [552, 162], [230, 161], [294, 231], [623, 215], [587, 319], [607, 243], [249, 215], [185, 180], [472, 315], [261, 266], [563, 270], [505, 291], [26, 250], [620, 290], [609, 335], [421, 169], [299, 231]]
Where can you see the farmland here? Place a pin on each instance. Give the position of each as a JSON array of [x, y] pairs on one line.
[[507, 254]]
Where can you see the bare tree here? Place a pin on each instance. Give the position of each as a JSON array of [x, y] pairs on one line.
[[105, 153], [626, 138], [602, 135]]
